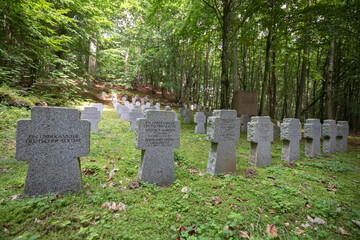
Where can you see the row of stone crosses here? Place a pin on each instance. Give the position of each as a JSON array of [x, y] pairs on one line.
[[54, 139]]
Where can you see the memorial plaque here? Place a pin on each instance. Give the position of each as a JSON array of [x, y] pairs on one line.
[[93, 116], [260, 134], [290, 134], [157, 135], [52, 141], [223, 130], [245, 103], [312, 135], [341, 137]]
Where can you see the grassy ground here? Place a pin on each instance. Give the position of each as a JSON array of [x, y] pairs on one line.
[[290, 202]]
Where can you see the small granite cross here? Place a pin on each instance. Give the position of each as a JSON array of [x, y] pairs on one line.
[[123, 99], [260, 134], [93, 116], [329, 134], [157, 106], [157, 135], [223, 130], [341, 136], [103, 94], [290, 134], [124, 113], [134, 114], [52, 140], [200, 119], [181, 112], [312, 135]]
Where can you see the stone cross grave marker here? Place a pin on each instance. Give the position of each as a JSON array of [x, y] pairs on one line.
[[149, 109], [182, 112], [151, 101], [103, 95], [147, 104], [52, 141], [260, 134], [142, 101], [123, 100], [244, 119], [185, 106], [192, 107], [168, 108], [329, 134], [341, 136], [131, 106], [290, 134], [127, 103], [223, 130], [157, 106], [187, 119], [118, 109], [157, 135], [137, 103], [93, 115], [312, 135], [124, 113], [133, 100], [200, 119], [134, 114], [136, 98], [146, 98], [99, 106]]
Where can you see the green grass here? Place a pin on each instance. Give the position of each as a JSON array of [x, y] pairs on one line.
[[204, 206]]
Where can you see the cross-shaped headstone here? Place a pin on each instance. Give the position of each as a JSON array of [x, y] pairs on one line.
[[290, 134], [103, 95], [200, 119], [185, 106], [329, 134], [223, 130], [123, 100], [168, 108], [146, 99], [187, 119], [157, 106], [157, 135], [244, 119], [137, 103], [127, 104], [341, 136], [52, 141], [182, 112], [133, 100], [124, 113], [99, 106], [151, 101], [93, 116], [134, 114], [142, 101], [312, 135], [147, 104], [118, 109], [260, 134], [131, 106]]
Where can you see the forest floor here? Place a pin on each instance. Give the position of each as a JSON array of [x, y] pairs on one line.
[[310, 199]]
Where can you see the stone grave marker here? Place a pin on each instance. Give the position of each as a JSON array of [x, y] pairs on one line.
[[123, 100], [260, 134], [200, 119], [182, 112], [133, 100], [157, 106], [223, 130], [142, 101], [118, 109], [146, 98], [244, 119], [157, 135], [341, 136], [103, 95], [185, 106], [290, 134], [93, 115], [131, 106], [127, 104], [187, 119], [99, 106], [136, 98], [52, 141], [147, 104], [312, 135], [134, 114], [192, 107], [168, 108], [149, 109], [124, 113], [151, 101], [137, 103], [143, 107], [329, 134]]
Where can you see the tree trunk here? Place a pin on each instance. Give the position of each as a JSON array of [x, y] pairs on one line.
[[329, 75], [127, 55], [236, 85], [139, 74], [206, 74], [266, 72], [225, 56], [272, 90]]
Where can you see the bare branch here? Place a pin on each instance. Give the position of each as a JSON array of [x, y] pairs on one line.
[[216, 10]]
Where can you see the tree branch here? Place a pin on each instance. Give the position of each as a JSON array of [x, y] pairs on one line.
[[216, 10]]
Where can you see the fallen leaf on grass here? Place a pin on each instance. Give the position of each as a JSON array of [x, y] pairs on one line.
[[6, 226], [289, 164], [242, 156], [240, 200], [178, 217], [331, 187], [134, 185], [305, 225], [233, 206], [308, 205], [261, 209], [47, 215], [249, 172], [243, 234], [316, 220], [342, 231], [37, 220], [272, 211], [92, 160], [3, 170], [145, 200], [226, 175], [184, 189], [271, 230], [14, 197], [201, 174], [252, 226], [113, 206], [299, 231], [192, 171]]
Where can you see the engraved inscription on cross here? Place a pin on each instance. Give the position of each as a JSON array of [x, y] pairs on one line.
[[157, 135], [52, 140]]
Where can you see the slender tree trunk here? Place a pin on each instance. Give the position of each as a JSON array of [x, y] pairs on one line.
[[225, 56], [266, 72], [183, 77], [272, 89], [127, 55], [329, 75], [206, 74], [235, 68], [139, 73]]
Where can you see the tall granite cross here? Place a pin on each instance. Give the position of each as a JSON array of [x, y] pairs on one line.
[[157, 135], [200, 119], [329, 134], [341, 136], [290, 134], [260, 134], [93, 115], [52, 140], [223, 130], [134, 114], [312, 135]]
